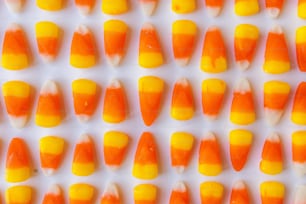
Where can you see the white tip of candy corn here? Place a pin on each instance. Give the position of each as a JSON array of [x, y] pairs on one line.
[[14, 5], [211, 117], [148, 8], [273, 12], [84, 10], [300, 195], [18, 122], [300, 168], [272, 116], [277, 29], [49, 87], [242, 85], [239, 185], [114, 60], [111, 189], [179, 169], [82, 29], [47, 58], [48, 171], [243, 64], [83, 118], [13, 27], [54, 190], [180, 187], [182, 62], [213, 11]]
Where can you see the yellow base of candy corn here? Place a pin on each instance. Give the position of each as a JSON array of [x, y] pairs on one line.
[[113, 7], [14, 61], [302, 10], [220, 65], [112, 119], [242, 118], [47, 121], [149, 171], [271, 167], [79, 61], [83, 169], [17, 175], [54, 5], [299, 118], [18, 194], [210, 169], [246, 8], [145, 192], [182, 113], [276, 67], [183, 6], [81, 192], [151, 60]]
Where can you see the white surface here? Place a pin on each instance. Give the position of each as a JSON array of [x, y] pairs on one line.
[[128, 73]]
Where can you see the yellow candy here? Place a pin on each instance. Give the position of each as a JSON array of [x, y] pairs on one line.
[[183, 6], [114, 7], [81, 192], [50, 5], [246, 7], [18, 195], [211, 191], [302, 9], [145, 193], [272, 190]]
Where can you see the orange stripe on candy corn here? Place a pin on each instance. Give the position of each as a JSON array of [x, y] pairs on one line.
[[299, 151], [214, 7], [110, 195], [239, 194], [274, 7], [85, 6], [179, 194], [148, 6], [298, 115], [300, 43], [53, 196]]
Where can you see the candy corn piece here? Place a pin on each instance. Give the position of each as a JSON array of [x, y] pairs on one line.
[[211, 192], [150, 90], [183, 40], [299, 111], [213, 91], [17, 98], [210, 162], [19, 195], [272, 192], [179, 194], [276, 94], [148, 6], [81, 193], [85, 98], [18, 164], [84, 6], [53, 196], [83, 48], [49, 108], [51, 150], [239, 194], [150, 51], [246, 7], [110, 195], [47, 37], [54, 5], [271, 156], [300, 43], [299, 152], [300, 195], [276, 55], [115, 34], [240, 145], [115, 145], [302, 9], [274, 7], [245, 42], [182, 105], [115, 7], [181, 148], [14, 5], [84, 157], [182, 7], [146, 161], [214, 7], [145, 194], [115, 105], [15, 49], [214, 58], [242, 110]]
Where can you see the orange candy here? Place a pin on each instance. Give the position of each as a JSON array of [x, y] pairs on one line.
[[179, 194], [53, 196], [110, 195], [274, 7], [214, 7], [239, 194], [84, 6], [298, 115]]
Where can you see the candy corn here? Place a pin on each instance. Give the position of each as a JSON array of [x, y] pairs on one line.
[[14, 5], [145, 194], [84, 6], [150, 90], [146, 161], [182, 7], [246, 7], [242, 109], [114, 149], [53, 5], [110, 195], [274, 7], [85, 98], [19, 195], [299, 152], [18, 162], [245, 43], [240, 144], [300, 43], [81, 193], [47, 38], [214, 58], [298, 110], [49, 109], [301, 9], [300, 195], [272, 158], [115, 34], [272, 192], [51, 149], [15, 49], [148, 6], [276, 55], [214, 7], [150, 51], [211, 192], [179, 194], [115, 7], [53, 196], [213, 91], [239, 194], [84, 157], [181, 148], [83, 48], [115, 105], [276, 94], [210, 162], [183, 40], [17, 98], [182, 105]]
